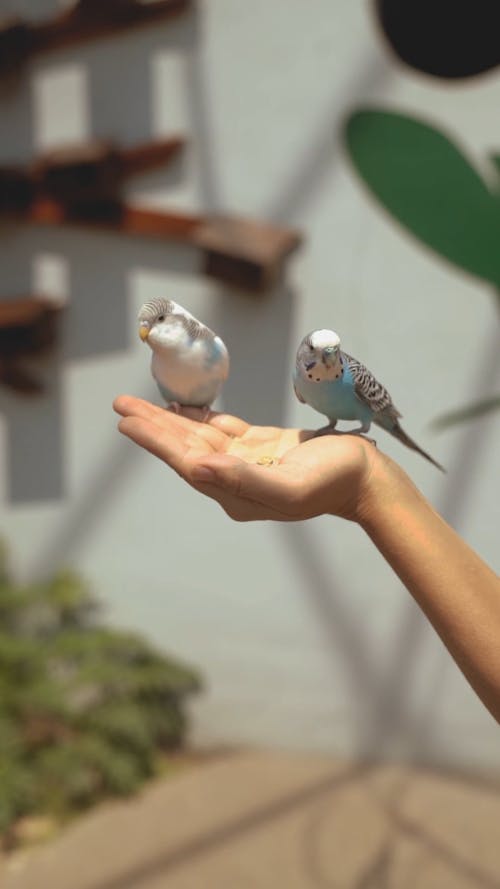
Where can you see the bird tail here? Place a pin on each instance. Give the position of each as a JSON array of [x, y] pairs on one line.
[[405, 439]]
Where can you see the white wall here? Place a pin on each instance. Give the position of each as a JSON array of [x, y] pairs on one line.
[[305, 636]]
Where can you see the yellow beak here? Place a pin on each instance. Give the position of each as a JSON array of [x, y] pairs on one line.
[[144, 331]]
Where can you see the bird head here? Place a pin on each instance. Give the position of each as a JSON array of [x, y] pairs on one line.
[[154, 320], [321, 347]]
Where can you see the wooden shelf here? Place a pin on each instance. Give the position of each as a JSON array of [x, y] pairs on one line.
[[24, 312], [95, 170], [82, 174], [86, 20], [246, 253], [28, 329]]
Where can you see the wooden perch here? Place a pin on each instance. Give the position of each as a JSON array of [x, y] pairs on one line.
[[17, 189], [86, 20], [244, 252], [95, 171], [80, 185], [28, 329], [247, 253]]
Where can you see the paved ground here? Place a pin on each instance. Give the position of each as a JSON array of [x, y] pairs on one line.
[[260, 820]]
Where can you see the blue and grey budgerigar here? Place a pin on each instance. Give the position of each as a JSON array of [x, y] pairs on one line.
[[189, 363], [341, 388]]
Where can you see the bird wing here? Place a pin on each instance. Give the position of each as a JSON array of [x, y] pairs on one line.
[[195, 329], [215, 348], [299, 396], [369, 390]]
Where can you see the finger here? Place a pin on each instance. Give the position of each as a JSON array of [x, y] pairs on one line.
[[170, 421], [128, 405], [158, 441], [277, 487], [192, 426], [230, 425], [194, 413]]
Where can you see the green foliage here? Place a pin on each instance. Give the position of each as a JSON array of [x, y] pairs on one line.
[[428, 185], [84, 710], [425, 182]]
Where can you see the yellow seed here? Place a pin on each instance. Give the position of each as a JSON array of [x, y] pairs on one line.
[[266, 461]]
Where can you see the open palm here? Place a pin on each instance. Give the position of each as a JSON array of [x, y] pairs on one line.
[[254, 472]]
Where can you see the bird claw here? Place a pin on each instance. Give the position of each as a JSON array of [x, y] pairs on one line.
[[330, 430], [361, 434], [206, 413], [175, 407], [326, 430]]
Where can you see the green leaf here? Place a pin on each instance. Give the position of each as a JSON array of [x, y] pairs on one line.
[[16, 790], [427, 184], [84, 709], [125, 725]]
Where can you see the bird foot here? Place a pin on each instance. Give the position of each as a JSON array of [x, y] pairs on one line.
[[361, 434], [176, 408], [330, 430], [206, 413], [366, 437], [326, 430]]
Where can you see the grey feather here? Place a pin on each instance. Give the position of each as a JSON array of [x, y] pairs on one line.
[[398, 432], [195, 329], [158, 306], [299, 396], [369, 390], [155, 307]]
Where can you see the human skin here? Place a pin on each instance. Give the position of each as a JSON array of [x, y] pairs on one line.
[[342, 475]]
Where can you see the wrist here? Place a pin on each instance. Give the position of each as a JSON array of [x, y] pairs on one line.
[[385, 489]]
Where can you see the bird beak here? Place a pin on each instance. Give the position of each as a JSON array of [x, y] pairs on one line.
[[330, 354], [144, 330], [309, 365]]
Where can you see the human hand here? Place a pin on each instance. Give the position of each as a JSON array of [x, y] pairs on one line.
[[255, 472]]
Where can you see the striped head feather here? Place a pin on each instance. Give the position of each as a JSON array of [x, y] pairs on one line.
[[156, 307]]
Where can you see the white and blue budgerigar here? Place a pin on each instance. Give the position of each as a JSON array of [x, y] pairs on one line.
[[341, 388], [190, 362]]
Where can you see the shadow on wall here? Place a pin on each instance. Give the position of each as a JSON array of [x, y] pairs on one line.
[[258, 338], [96, 322]]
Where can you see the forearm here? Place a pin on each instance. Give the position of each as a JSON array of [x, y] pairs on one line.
[[456, 590]]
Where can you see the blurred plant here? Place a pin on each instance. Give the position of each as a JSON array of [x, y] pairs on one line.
[[428, 185], [84, 710]]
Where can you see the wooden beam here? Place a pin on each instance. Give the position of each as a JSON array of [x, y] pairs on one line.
[[28, 329], [80, 186], [24, 311], [86, 20], [17, 189], [244, 251], [94, 171], [248, 253]]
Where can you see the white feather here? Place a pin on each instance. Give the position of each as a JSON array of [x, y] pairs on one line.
[[191, 371]]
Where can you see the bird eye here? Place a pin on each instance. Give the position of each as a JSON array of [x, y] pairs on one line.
[[161, 317], [311, 347]]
